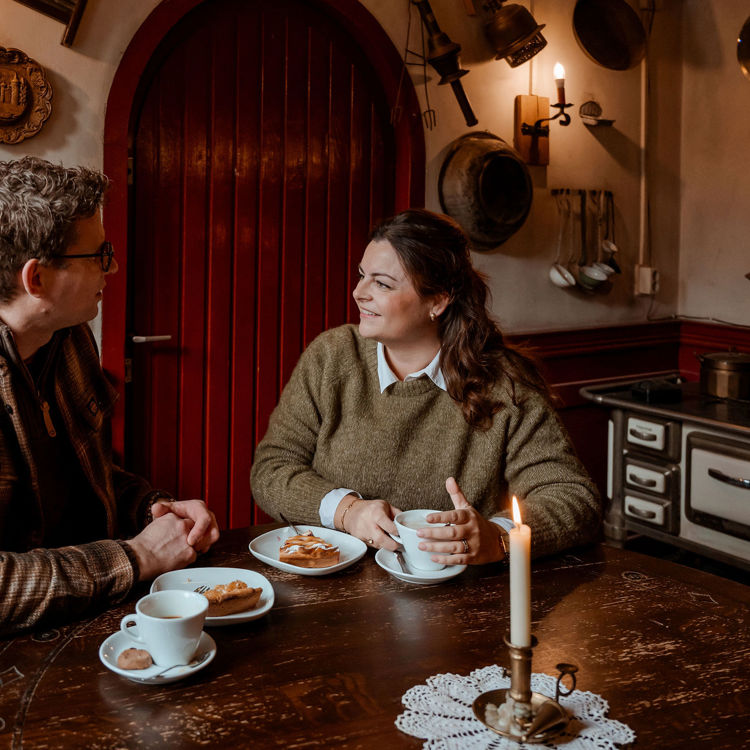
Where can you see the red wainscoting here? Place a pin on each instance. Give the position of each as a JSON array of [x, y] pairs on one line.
[[574, 359]]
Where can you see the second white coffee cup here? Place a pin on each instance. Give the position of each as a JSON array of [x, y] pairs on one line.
[[168, 624], [408, 523]]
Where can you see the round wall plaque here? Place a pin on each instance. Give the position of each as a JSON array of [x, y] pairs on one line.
[[25, 95]]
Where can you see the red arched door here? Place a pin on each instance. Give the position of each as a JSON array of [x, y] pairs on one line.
[[262, 152]]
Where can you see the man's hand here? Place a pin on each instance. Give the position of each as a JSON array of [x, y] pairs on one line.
[[205, 530], [163, 546]]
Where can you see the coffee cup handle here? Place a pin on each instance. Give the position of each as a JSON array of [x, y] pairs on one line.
[[394, 537], [124, 626]]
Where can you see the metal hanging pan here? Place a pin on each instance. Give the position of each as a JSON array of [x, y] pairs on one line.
[[610, 33]]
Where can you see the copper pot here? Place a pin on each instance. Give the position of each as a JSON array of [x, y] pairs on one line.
[[725, 375]]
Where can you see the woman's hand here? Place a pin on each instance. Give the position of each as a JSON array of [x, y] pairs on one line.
[[369, 520], [471, 540]]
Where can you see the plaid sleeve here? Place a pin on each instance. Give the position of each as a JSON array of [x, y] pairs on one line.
[[48, 585]]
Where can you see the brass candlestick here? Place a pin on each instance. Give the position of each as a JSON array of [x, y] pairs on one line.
[[518, 713]]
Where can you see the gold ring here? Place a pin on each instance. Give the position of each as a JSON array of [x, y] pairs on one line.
[[466, 546], [371, 541]]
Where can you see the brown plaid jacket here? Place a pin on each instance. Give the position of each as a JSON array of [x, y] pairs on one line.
[[43, 585]]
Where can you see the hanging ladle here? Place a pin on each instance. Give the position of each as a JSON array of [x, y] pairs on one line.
[[608, 244], [589, 277], [601, 211], [558, 274]]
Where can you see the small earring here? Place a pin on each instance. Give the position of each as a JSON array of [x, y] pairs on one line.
[[432, 317]]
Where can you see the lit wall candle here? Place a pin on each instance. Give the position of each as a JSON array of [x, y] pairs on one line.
[[559, 73], [520, 581]]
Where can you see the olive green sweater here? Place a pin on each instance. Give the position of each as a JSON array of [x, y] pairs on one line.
[[333, 428]]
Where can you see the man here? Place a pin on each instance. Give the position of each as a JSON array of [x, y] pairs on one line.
[[64, 506]]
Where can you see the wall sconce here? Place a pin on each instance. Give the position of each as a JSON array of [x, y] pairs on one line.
[[443, 56], [532, 141], [513, 32]]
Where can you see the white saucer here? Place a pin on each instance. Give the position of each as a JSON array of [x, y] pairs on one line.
[[118, 642], [266, 549], [189, 579], [387, 561]]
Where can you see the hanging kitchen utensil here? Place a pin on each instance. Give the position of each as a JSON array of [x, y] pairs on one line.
[[608, 244], [600, 218], [443, 56], [588, 276], [486, 187], [558, 274], [743, 49], [610, 33], [428, 114]]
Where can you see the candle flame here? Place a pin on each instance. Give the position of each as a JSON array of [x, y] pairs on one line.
[[558, 71], [516, 512]]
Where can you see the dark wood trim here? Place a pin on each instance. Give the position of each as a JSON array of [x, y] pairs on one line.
[[573, 359]]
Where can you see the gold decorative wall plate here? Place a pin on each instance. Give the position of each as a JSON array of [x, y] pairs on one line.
[[25, 96]]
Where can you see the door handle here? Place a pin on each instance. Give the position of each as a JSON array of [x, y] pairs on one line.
[[735, 482], [650, 437], [635, 479], [150, 339]]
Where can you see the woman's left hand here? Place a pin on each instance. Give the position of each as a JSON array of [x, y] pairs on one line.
[[470, 540]]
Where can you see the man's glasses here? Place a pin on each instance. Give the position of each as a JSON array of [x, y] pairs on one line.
[[105, 253]]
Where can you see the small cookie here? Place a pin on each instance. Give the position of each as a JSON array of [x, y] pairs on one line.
[[134, 658]]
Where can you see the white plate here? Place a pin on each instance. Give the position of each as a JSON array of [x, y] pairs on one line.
[[266, 549], [189, 579], [118, 642], [387, 561]]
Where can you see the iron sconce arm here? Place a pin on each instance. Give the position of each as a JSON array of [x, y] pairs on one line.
[[537, 129]]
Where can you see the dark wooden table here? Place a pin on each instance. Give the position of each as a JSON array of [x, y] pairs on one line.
[[667, 646]]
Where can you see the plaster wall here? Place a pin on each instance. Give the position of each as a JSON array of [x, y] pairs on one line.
[[715, 165], [523, 297]]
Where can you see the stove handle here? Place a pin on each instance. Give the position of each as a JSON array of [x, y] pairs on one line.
[[735, 482], [649, 436], [649, 514], [635, 479]]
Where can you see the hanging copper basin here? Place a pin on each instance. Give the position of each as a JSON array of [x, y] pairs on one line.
[[486, 187], [610, 33]]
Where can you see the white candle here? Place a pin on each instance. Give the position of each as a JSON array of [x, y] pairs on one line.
[[520, 581], [559, 73]]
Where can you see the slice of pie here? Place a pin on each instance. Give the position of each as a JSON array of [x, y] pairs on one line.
[[308, 551], [231, 598]]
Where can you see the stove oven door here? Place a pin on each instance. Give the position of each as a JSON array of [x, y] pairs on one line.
[[717, 492]]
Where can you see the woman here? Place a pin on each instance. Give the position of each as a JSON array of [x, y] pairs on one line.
[[423, 406]]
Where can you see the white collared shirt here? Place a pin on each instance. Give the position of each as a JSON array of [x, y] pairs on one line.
[[386, 378]]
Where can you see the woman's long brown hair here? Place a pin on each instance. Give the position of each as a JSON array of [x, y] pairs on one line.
[[474, 356]]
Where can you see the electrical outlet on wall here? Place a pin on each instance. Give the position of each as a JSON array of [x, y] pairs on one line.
[[646, 280]]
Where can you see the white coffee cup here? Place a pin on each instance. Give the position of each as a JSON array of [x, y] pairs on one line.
[[168, 624], [408, 523]]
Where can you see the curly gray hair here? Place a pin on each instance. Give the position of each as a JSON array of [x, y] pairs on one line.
[[39, 205]]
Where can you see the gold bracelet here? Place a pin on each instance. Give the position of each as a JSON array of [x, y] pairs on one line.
[[346, 510]]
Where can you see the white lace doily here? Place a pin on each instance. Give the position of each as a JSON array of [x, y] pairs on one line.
[[440, 712]]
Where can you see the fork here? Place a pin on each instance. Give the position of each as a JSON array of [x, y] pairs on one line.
[[191, 665], [201, 589], [289, 523]]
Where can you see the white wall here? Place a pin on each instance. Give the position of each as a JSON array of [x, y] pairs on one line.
[[524, 299]]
